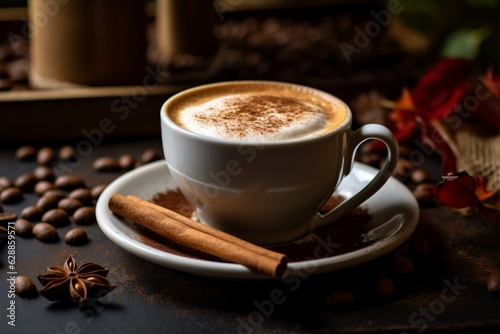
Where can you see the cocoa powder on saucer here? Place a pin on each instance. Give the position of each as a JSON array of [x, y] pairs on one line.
[[343, 236]]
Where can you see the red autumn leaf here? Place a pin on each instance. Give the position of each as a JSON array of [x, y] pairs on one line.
[[457, 191], [481, 192], [492, 82], [404, 117], [487, 113], [442, 88]]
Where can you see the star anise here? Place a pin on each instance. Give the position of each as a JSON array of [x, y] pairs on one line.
[[75, 283]]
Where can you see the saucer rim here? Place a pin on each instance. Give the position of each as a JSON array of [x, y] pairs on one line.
[[109, 224]]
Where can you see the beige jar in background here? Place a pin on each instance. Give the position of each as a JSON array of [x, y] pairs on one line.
[[87, 42]]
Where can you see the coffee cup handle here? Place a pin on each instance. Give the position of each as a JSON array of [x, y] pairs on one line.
[[366, 132]]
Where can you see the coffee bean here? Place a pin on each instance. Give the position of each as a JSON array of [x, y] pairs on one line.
[[84, 195], [403, 169], [56, 217], [43, 186], [402, 250], [424, 193], [25, 287], [18, 69], [69, 205], [26, 182], [422, 246], [46, 156], [44, 173], [57, 193], [48, 201], [32, 213], [45, 232], [149, 155], [371, 158], [1, 208], [26, 153], [69, 182], [76, 237], [126, 161], [84, 215], [405, 151], [6, 217], [5, 84], [340, 298], [23, 228], [493, 282], [97, 190], [106, 164], [5, 182], [11, 195], [419, 176], [384, 287], [400, 264], [66, 153]]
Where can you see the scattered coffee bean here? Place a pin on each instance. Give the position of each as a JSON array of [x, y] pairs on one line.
[[126, 161], [400, 264], [403, 169], [56, 217], [25, 287], [32, 213], [106, 164], [493, 282], [45, 232], [69, 182], [42, 186], [48, 201], [66, 153], [422, 246], [76, 237], [97, 190], [11, 195], [45, 173], [419, 176], [5, 182], [84, 215], [6, 217], [1, 208], [340, 298], [384, 287], [23, 228], [149, 155], [26, 153], [69, 205], [84, 195], [46, 156], [402, 250], [57, 193], [405, 151], [372, 159], [424, 193], [5, 84], [26, 182]]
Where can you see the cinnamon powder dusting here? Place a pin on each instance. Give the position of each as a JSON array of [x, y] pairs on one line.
[[263, 114], [346, 233]]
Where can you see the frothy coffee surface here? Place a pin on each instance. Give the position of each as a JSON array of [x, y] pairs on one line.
[[257, 115]]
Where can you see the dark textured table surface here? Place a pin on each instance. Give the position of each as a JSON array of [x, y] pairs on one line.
[[446, 292]]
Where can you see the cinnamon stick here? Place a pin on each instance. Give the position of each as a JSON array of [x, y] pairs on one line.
[[173, 229], [210, 230]]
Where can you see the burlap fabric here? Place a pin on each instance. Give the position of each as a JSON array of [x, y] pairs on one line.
[[478, 152]]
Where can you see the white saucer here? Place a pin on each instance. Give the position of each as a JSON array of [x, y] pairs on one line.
[[393, 209]]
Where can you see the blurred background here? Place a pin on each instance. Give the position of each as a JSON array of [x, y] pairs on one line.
[[150, 49]]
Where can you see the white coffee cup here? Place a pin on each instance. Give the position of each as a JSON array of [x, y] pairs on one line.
[[268, 192]]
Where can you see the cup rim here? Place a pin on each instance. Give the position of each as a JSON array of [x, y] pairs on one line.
[[346, 123]]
